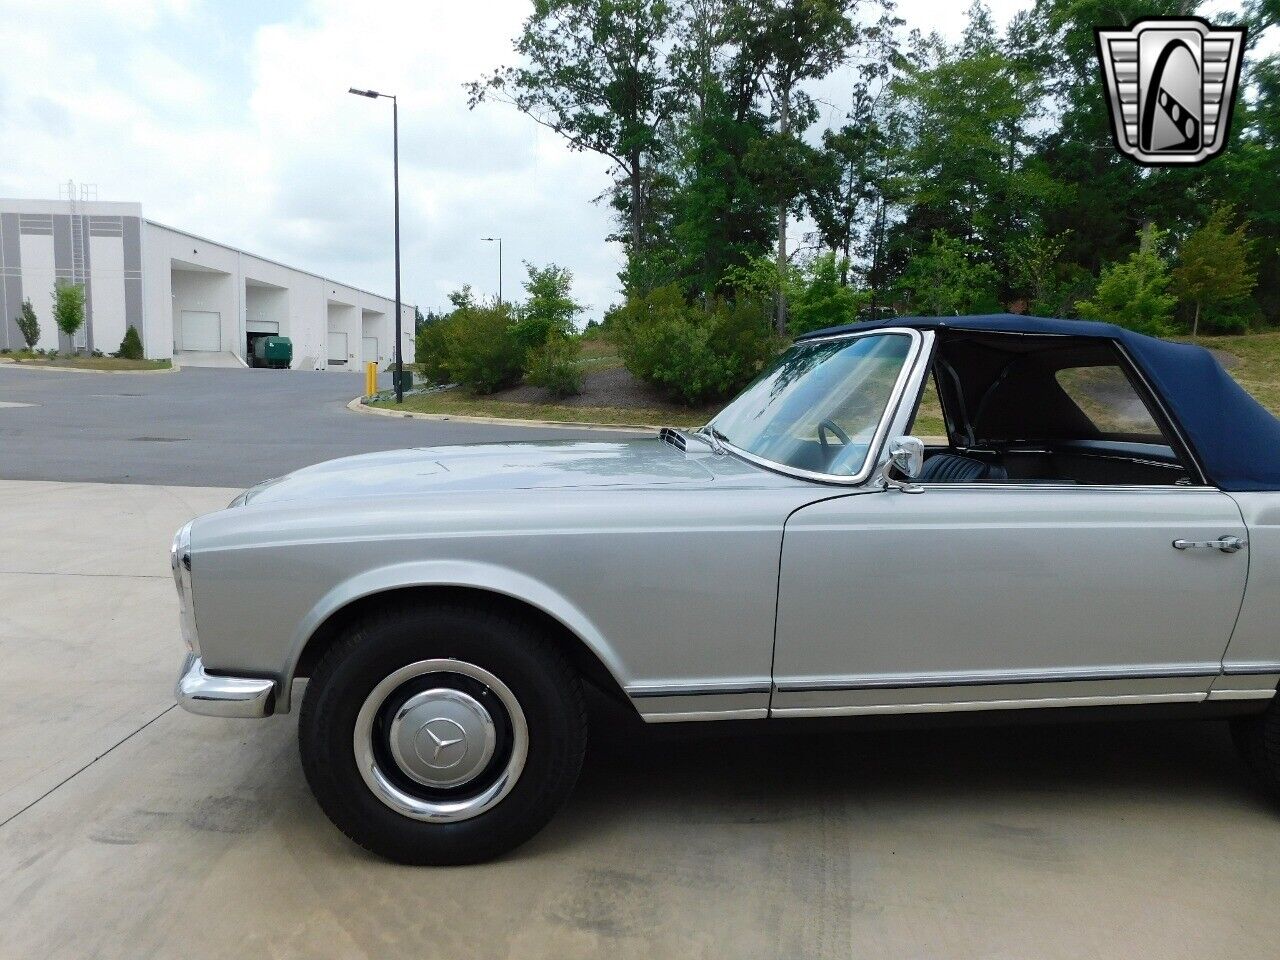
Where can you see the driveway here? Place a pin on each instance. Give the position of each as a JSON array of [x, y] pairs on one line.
[[202, 427], [131, 829]]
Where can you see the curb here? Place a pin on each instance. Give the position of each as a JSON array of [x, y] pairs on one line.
[[20, 365], [360, 407]]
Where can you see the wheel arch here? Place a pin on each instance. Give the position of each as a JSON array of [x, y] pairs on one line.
[[518, 596]]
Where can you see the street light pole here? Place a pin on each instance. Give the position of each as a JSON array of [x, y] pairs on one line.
[[499, 240], [395, 176]]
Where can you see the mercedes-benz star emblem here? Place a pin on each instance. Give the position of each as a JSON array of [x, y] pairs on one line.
[[442, 734]]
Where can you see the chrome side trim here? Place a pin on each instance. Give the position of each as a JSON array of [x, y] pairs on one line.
[[918, 339], [755, 713], [213, 695], [698, 690], [1250, 669], [1001, 677], [976, 705]]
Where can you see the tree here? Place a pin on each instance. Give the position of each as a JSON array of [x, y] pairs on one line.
[[68, 307], [594, 73], [1132, 293], [28, 325], [1214, 267], [790, 42], [549, 311], [948, 278]]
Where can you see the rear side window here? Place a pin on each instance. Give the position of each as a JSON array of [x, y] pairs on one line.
[[1107, 398]]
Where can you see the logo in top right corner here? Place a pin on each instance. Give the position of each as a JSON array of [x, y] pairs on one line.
[[1171, 85]]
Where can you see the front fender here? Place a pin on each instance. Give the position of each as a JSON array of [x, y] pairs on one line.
[[446, 573]]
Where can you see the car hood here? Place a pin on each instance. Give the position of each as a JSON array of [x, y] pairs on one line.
[[488, 467]]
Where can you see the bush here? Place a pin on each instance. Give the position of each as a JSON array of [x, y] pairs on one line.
[[473, 347], [554, 366], [130, 346], [1133, 293], [692, 353]]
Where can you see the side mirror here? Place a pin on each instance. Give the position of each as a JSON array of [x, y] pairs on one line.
[[906, 456]]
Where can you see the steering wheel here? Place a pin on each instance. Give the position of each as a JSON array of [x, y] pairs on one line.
[[830, 426]]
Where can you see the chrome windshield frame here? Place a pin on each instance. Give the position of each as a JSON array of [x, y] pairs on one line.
[[874, 450]]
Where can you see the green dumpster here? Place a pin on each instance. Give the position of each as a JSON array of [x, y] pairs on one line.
[[408, 379], [273, 352]]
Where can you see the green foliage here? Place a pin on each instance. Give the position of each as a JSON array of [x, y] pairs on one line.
[[1132, 293], [1214, 271], [472, 346], [548, 312], [131, 345], [68, 307], [554, 366], [28, 325], [949, 278], [820, 299], [694, 354]]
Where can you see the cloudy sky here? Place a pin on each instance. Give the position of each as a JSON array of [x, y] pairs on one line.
[[230, 119]]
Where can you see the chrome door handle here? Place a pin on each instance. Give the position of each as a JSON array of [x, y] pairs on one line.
[[1225, 544]]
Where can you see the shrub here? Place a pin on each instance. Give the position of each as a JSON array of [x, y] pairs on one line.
[[131, 345], [472, 346], [693, 353], [1132, 293], [554, 366], [548, 312]]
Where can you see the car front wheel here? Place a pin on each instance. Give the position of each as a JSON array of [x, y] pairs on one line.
[[442, 735]]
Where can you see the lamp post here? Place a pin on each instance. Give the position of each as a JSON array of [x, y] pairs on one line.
[[499, 242], [395, 175]]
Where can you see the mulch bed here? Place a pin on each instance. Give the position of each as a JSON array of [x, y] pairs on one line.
[[601, 388]]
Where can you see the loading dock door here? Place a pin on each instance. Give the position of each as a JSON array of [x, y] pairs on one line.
[[201, 330], [369, 350], [337, 347]]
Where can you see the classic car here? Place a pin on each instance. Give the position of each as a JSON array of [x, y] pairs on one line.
[[903, 516]]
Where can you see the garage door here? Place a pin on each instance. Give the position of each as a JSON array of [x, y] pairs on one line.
[[337, 347], [201, 330], [369, 349]]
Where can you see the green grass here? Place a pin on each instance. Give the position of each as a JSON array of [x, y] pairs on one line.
[[26, 358], [1258, 364], [463, 403]]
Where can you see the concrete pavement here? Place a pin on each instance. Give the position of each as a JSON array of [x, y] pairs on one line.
[[134, 830], [201, 427]]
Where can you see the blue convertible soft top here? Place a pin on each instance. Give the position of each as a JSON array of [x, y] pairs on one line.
[[1235, 439]]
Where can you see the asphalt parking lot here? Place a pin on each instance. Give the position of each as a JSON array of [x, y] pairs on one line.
[[131, 829], [201, 427]]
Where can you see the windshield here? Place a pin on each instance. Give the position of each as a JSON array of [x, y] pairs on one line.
[[818, 407]]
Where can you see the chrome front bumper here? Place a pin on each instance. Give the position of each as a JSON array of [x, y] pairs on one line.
[[219, 696]]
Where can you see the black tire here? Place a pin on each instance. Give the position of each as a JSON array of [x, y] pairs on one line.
[[549, 693], [1258, 740]]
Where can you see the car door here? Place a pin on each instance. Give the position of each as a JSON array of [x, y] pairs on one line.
[[970, 598], [1078, 587]]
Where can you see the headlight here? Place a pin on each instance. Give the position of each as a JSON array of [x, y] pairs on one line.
[[180, 561]]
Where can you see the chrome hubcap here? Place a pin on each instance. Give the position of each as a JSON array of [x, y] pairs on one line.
[[440, 740], [442, 737]]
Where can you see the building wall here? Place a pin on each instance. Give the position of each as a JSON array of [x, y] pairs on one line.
[[306, 306], [44, 242], [140, 273]]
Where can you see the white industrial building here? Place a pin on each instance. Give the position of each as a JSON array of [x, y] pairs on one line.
[[190, 298]]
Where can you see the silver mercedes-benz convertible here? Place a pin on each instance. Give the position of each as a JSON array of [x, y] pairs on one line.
[[900, 517]]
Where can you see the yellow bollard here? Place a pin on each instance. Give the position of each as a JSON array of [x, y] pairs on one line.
[[370, 378]]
